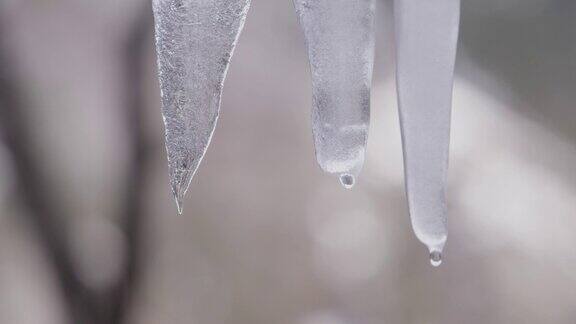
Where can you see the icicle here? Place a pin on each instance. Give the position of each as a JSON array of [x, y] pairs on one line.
[[340, 39], [195, 40], [426, 36]]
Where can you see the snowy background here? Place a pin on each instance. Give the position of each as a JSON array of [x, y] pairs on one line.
[[266, 237]]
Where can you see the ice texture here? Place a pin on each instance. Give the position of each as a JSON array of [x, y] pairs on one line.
[[426, 37], [195, 40], [340, 41]]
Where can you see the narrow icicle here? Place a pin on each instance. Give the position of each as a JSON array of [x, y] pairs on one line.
[[426, 36], [340, 40], [195, 40]]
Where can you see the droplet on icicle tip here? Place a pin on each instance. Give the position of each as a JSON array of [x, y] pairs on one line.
[[435, 258], [347, 180]]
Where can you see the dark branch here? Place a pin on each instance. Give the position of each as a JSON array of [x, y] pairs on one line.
[[45, 214], [134, 62]]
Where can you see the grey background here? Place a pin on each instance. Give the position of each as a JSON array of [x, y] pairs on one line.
[[266, 238]]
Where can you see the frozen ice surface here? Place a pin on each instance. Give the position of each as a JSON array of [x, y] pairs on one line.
[[340, 40], [195, 40], [426, 36]]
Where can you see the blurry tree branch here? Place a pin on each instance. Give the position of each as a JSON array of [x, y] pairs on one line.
[[84, 305], [34, 186], [134, 66]]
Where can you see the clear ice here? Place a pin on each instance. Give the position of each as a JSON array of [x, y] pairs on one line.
[[340, 40], [426, 37], [195, 40]]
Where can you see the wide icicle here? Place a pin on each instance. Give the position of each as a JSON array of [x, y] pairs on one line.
[[340, 40], [426, 37], [195, 40]]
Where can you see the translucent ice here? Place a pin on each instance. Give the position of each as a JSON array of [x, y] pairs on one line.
[[195, 40], [340, 40], [426, 36]]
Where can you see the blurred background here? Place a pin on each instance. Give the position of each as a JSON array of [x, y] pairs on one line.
[[89, 232]]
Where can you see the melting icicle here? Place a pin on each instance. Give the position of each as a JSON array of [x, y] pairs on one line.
[[340, 39], [426, 36], [195, 40]]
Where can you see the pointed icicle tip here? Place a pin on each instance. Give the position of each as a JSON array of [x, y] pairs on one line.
[[179, 205], [435, 258], [347, 180], [178, 193]]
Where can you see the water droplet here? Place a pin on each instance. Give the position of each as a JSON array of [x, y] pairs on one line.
[[435, 258], [347, 180]]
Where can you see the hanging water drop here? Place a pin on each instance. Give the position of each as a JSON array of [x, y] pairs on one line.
[[436, 258], [347, 180], [195, 40], [426, 35], [340, 41]]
